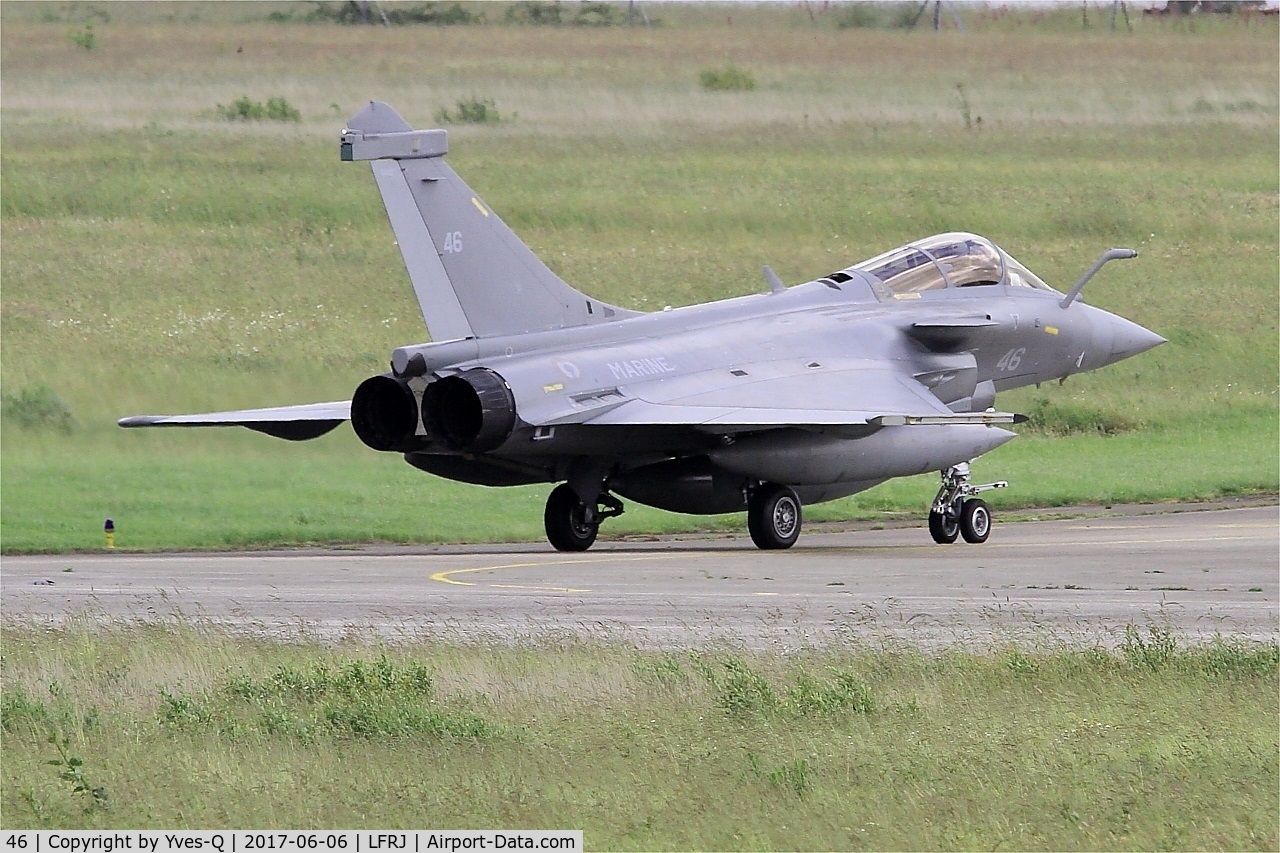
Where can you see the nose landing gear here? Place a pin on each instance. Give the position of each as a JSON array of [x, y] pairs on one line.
[[956, 512]]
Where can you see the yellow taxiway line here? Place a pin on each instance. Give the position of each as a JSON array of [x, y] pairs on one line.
[[446, 576]]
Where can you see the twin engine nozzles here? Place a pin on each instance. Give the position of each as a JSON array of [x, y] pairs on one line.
[[470, 412]]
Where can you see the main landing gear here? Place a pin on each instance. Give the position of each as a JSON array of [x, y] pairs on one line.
[[773, 516], [570, 523], [956, 512]]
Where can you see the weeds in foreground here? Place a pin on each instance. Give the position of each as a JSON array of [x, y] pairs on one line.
[[355, 698], [1154, 652], [739, 689], [21, 712], [1160, 649], [72, 773], [1017, 661], [665, 669]]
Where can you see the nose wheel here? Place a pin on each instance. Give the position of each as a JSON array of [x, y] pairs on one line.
[[944, 525], [956, 512]]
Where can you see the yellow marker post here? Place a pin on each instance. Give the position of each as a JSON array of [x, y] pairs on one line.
[[109, 529]]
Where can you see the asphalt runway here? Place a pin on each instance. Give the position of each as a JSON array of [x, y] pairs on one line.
[[1080, 580]]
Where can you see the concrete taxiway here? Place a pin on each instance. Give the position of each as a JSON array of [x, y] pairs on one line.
[[1080, 580]]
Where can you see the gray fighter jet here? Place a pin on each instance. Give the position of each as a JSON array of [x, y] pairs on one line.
[[887, 368]]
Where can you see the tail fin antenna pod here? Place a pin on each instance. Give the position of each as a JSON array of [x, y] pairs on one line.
[[472, 275]]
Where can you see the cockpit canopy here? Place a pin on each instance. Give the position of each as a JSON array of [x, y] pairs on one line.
[[946, 260]]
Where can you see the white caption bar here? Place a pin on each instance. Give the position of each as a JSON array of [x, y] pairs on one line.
[[293, 841]]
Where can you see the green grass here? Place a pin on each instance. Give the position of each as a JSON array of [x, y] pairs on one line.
[[167, 260], [175, 489], [1153, 745]]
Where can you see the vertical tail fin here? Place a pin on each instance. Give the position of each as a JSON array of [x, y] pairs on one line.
[[472, 275]]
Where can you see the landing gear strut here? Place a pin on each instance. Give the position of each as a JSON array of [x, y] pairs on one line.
[[956, 512], [570, 523]]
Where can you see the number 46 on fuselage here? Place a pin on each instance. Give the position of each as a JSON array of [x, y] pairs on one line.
[[887, 368]]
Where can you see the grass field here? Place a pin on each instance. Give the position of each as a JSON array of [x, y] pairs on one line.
[[1152, 746], [159, 258]]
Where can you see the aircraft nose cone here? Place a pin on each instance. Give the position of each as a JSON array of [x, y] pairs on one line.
[[1128, 339]]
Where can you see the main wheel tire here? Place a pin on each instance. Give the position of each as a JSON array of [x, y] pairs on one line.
[[943, 527], [975, 521], [774, 517], [565, 521]]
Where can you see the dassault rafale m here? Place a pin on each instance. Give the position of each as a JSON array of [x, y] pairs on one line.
[[887, 368]]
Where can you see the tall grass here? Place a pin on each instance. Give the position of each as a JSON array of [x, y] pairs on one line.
[[1155, 745]]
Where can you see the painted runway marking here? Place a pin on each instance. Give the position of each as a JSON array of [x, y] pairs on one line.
[[1119, 527], [1246, 525], [1158, 526], [1107, 542], [444, 577]]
